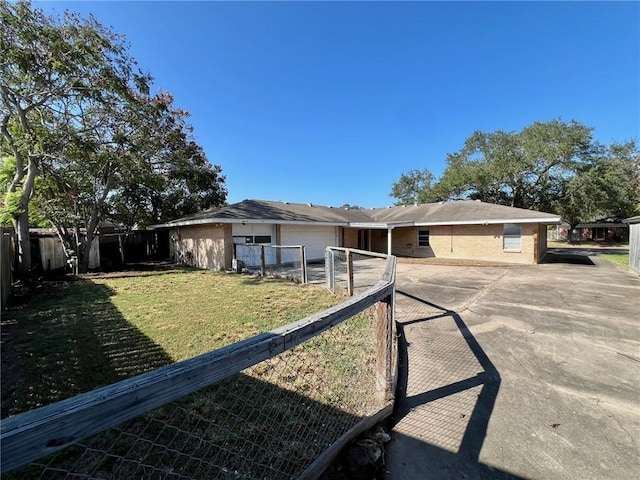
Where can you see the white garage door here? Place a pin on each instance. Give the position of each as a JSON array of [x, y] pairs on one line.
[[315, 239]]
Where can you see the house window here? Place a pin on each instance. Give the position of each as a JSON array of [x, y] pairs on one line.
[[423, 238], [248, 239], [511, 237], [262, 239]]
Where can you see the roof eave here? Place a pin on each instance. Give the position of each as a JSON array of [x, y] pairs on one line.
[[493, 221], [207, 221]]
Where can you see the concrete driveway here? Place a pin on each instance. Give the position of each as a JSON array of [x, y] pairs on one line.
[[517, 372]]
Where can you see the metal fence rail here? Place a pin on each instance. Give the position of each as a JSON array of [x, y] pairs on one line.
[[283, 261], [278, 405]]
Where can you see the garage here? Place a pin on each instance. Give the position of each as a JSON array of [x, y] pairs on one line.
[[314, 238], [247, 237]]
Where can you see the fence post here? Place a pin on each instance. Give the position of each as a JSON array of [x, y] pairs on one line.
[[385, 355], [349, 274], [303, 263], [328, 269], [262, 265]]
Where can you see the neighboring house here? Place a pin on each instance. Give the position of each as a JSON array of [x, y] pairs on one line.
[[461, 229], [608, 229], [634, 242]]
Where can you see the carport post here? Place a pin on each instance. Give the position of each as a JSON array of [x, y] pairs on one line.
[[389, 241]]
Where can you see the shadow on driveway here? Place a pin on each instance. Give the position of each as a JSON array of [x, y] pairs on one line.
[[447, 390]]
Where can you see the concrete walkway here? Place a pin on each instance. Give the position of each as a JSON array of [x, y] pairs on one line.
[[517, 372]]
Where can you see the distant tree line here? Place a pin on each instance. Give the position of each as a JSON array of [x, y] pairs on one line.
[[553, 166], [83, 139]]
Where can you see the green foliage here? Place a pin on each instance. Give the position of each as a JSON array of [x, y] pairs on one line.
[[10, 204], [90, 142], [608, 184], [416, 186], [548, 166]]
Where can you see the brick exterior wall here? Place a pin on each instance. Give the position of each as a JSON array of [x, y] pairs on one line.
[[483, 242], [542, 242], [203, 246], [467, 242], [350, 237], [404, 242]]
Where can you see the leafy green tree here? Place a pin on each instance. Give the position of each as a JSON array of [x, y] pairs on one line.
[[76, 114], [49, 68], [416, 186], [524, 169], [548, 166], [10, 204], [608, 185]]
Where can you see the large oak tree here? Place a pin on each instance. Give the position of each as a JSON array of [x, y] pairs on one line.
[[553, 166]]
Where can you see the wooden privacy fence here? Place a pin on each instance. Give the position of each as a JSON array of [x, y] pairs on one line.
[[278, 405], [6, 260]]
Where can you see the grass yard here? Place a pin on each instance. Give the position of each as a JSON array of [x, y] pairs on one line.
[[621, 259], [270, 421], [73, 336]]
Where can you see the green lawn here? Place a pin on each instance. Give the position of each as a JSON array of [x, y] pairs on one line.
[[73, 336], [270, 421], [621, 259]]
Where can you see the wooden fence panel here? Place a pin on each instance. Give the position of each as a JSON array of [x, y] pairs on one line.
[[6, 261]]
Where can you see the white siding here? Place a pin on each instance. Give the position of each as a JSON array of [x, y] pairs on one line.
[[315, 238]]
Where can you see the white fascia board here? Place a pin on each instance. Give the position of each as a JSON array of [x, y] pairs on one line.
[[380, 226], [207, 221], [548, 221], [375, 226]]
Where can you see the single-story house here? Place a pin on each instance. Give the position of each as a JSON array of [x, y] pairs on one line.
[[634, 242], [607, 229], [465, 229]]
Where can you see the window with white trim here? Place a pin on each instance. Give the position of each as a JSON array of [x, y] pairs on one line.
[[423, 238], [511, 237]]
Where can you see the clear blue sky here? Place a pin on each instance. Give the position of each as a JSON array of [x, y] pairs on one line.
[[330, 102]]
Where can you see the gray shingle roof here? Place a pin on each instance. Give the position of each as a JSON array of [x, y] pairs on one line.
[[460, 211], [281, 211], [456, 212]]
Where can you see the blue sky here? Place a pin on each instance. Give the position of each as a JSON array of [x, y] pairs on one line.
[[330, 102]]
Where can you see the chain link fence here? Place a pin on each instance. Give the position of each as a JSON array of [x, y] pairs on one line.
[[281, 261], [272, 420]]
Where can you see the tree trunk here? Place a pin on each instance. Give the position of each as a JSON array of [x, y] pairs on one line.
[[84, 250], [21, 226], [572, 227], [84, 254]]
